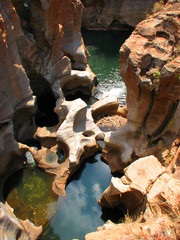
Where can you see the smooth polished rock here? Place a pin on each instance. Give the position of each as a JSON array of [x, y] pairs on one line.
[[130, 190]]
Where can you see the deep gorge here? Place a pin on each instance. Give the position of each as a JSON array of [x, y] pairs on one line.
[[92, 178], [49, 136]]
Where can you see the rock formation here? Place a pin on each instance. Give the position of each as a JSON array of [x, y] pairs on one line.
[[75, 137], [119, 15], [44, 59], [150, 193], [149, 66], [42, 53]]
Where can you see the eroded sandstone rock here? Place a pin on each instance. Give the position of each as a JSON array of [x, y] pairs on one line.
[[51, 46], [130, 190], [40, 44], [149, 66], [77, 137], [151, 194]]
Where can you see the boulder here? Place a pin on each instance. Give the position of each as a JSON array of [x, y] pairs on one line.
[[129, 191]]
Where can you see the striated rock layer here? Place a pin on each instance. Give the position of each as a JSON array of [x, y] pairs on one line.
[[113, 14]]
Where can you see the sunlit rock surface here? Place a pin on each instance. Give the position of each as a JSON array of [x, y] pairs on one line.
[[40, 43], [162, 228], [114, 14], [149, 190], [43, 54], [130, 190], [150, 68], [150, 194], [51, 46], [75, 140]]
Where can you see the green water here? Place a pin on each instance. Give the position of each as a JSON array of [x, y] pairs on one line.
[[28, 192], [103, 47]]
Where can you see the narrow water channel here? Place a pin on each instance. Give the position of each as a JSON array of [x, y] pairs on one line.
[[78, 213], [103, 47]]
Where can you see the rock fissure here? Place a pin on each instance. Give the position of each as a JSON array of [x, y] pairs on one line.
[[166, 121]]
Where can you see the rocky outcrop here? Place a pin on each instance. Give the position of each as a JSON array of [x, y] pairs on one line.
[[149, 66], [149, 191], [119, 15], [149, 188], [150, 195], [42, 50]]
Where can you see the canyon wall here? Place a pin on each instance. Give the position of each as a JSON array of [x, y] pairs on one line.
[[113, 14], [149, 66], [149, 190], [43, 58], [42, 52]]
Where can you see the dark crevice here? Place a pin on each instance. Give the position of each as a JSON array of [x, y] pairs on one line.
[[78, 94], [38, 83], [162, 34], [117, 174], [153, 96], [166, 120], [32, 143], [60, 154], [12, 181], [45, 101], [113, 214], [45, 115]]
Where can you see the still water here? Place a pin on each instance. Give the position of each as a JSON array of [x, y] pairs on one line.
[[79, 213], [29, 192]]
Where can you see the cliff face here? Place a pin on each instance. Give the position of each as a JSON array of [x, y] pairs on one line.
[[42, 52], [41, 49], [115, 14], [149, 66], [52, 47]]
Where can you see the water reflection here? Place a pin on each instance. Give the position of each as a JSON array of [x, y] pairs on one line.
[[80, 212]]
